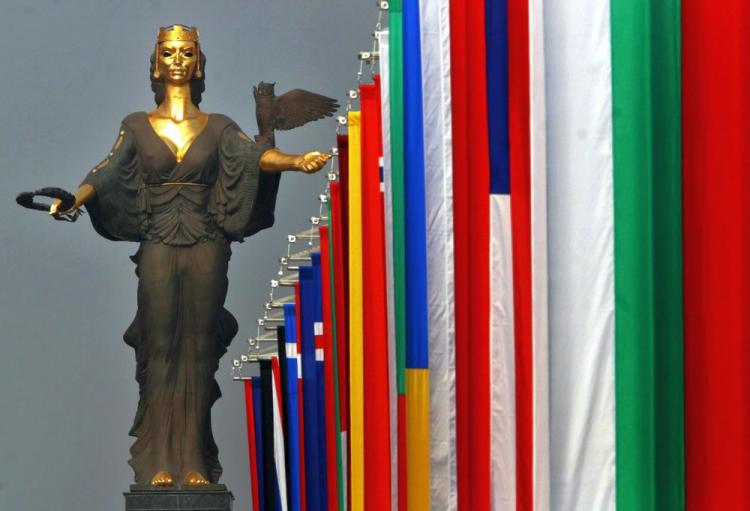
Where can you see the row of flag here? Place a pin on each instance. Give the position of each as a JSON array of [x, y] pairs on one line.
[[529, 290]]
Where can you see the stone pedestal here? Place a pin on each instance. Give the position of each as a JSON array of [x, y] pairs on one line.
[[212, 497]]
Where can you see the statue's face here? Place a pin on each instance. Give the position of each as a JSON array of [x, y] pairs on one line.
[[177, 60]]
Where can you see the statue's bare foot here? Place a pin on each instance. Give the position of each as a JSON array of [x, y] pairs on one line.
[[194, 478], [162, 478]]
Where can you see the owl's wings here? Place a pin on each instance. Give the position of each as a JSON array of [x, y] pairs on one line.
[[298, 107]]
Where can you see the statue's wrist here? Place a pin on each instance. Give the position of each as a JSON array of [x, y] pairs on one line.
[[299, 162]]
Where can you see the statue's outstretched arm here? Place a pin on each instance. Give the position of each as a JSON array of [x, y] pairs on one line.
[[122, 151], [274, 160]]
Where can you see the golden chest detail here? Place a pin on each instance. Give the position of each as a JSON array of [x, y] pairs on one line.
[[178, 136]]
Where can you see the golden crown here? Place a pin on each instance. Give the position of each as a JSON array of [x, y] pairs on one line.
[[178, 33]]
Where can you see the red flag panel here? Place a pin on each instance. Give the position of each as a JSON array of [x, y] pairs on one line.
[[716, 195], [249, 410], [375, 362], [471, 187]]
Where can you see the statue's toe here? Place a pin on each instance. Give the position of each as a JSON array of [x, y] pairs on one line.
[[162, 478], [195, 478]]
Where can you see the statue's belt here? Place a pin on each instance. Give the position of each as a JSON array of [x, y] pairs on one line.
[[176, 183]]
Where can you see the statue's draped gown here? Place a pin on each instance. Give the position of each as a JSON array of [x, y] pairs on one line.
[[184, 215]]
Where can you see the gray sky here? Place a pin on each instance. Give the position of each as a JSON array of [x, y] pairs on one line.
[[71, 72]]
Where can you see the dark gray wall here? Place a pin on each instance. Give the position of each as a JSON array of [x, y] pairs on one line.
[[70, 72]]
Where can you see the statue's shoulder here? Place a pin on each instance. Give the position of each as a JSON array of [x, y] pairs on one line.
[[135, 119], [221, 121]]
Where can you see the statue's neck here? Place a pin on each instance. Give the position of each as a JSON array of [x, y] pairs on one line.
[[177, 104]]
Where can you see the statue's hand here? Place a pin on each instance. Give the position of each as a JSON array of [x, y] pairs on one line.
[[54, 208], [54, 211], [312, 161]]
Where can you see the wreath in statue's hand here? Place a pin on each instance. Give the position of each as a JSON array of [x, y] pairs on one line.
[[67, 201]]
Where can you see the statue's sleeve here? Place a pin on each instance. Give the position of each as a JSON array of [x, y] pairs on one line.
[[244, 198], [117, 211]]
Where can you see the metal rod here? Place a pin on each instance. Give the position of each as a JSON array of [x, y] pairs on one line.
[[302, 253], [300, 259], [267, 339], [306, 232], [368, 56], [275, 320], [279, 303]]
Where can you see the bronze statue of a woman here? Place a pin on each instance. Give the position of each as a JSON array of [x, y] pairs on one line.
[[184, 184]]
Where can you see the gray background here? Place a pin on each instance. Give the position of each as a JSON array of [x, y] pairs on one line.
[[70, 72]]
